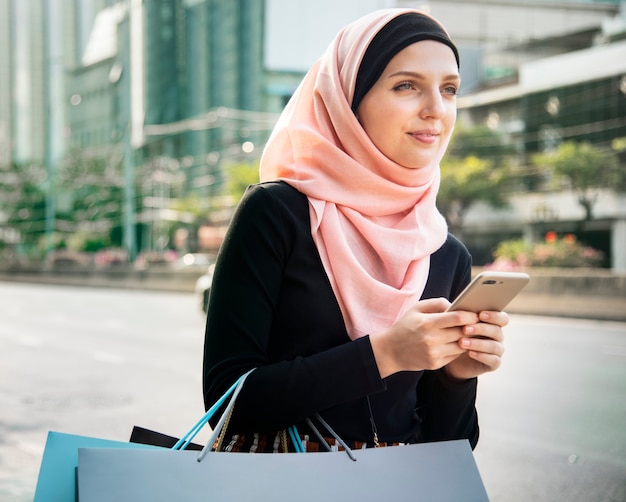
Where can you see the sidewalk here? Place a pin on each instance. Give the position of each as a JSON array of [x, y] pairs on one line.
[[594, 294], [598, 307]]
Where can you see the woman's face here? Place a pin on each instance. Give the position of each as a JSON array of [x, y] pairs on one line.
[[409, 113]]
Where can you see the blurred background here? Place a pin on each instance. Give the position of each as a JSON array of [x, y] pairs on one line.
[[129, 130]]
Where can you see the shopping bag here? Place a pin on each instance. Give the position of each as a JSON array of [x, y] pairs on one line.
[[57, 473], [441, 471], [431, 472]]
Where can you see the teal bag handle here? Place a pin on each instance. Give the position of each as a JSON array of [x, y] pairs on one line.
[[234, 389], [295, 439]]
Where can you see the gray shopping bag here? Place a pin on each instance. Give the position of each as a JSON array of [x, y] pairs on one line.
[[442, 471]]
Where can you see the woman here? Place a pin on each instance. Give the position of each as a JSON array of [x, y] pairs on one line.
[[337, 269]]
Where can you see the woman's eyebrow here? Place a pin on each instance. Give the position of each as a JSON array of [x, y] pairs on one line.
[[413, 74]]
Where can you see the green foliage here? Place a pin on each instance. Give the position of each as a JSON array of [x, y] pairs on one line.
[[241, 176], [80, 169], [87, 241], [470, 179], [619, 145], [585, 167], [466, 181], [92, 190], [479, 141], [555, 251], [474, 169], [23, 202], [192, 205]]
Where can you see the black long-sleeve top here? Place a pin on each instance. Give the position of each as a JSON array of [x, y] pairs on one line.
[[272, 308]]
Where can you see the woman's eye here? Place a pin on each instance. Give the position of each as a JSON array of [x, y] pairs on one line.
[[404, 86], [451, 90]]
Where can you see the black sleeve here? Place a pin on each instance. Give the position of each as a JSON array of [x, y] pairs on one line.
[[247, 288], [447, 407]]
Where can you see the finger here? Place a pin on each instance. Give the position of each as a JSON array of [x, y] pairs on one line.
[[454, 333], [482, 345], [442, 343], [484, 330], [490, 361], [493, 317], [433, 305], [458, 318], [447, 319]]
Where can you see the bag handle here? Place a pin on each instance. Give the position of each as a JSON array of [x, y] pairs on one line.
[[332, 432], [184, 441], [234, 390]]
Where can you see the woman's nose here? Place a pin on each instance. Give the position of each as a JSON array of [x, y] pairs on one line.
[[433, 105]]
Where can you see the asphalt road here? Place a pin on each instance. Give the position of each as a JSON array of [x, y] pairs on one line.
[[97, 361]]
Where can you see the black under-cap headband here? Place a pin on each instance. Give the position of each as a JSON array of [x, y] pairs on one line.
[[397, 34]]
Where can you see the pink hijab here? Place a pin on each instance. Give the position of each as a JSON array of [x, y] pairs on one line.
[[374, 222]]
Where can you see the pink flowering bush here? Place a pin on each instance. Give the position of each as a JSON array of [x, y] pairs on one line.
[[554, 251]]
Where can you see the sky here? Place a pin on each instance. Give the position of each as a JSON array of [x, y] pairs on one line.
[[291, 46]]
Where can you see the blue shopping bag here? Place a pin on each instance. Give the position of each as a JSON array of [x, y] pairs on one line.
[[57, 473]]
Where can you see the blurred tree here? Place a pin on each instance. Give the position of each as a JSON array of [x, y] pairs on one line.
[[480, 141], [239, 177], [475, 168], [619, 147], [198, 209], [90, 193], [191, 207], [587, 168], [466, 181], [23, 201]]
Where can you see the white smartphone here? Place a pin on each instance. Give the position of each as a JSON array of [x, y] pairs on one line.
[[490, 291]]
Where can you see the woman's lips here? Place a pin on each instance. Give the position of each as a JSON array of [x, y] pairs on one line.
[[425, 136]]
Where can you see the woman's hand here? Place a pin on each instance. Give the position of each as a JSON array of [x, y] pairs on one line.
[[483, 346], [428, 338]]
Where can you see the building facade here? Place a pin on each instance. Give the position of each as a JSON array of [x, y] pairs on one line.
[[167, 95], [162, 94], [580, 96]]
